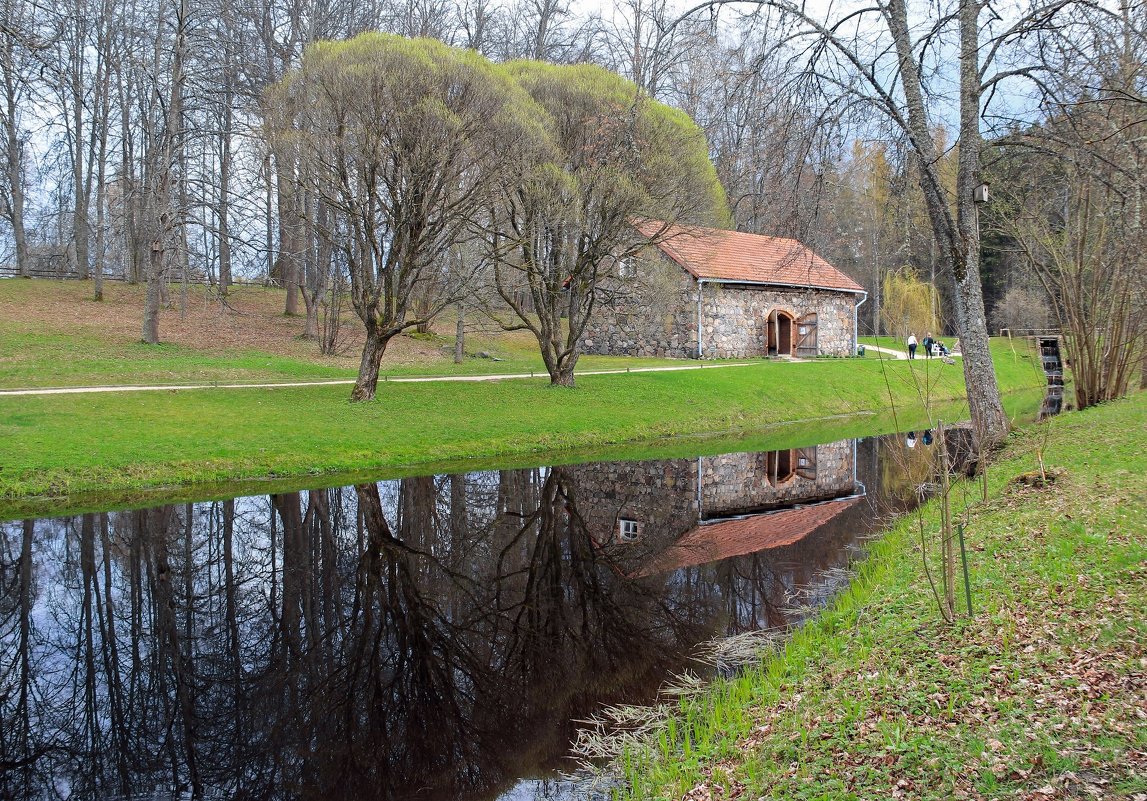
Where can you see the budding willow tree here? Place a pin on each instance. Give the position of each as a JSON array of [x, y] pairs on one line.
[[612, 157], [405, 142]]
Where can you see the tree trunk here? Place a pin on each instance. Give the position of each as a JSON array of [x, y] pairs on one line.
[[958, 240], [14, 169], [101, 204], [989, 420], [80, 210], [151, 299], [288, 242], [562, 375], [460, 335], [224, 197], [372, 350]]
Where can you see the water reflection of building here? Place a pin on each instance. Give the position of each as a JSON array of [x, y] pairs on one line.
[[650, 517]]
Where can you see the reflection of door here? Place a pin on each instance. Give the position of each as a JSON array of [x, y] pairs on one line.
[[779, 465], [806, 336], [806, 463]]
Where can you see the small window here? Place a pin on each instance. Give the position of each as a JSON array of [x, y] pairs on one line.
[[626, 268], [628, 530]]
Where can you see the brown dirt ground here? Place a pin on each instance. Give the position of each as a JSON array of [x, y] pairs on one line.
[[250, 318]]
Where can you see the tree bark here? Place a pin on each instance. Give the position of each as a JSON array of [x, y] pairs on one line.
[[14, 163], [224, 210], [288, 240], [957, 240], [151, 298], [460, 335], [367, 382], [989, 420]]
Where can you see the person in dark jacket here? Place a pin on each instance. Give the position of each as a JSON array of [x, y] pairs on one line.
[[927, 343]]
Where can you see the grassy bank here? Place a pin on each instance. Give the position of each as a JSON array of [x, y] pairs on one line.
[[64, 444], [1041, 694]]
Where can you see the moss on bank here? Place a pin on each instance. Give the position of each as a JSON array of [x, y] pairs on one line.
[[1041, 694]]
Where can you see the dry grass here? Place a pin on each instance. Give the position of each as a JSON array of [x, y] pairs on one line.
[[249, 318]]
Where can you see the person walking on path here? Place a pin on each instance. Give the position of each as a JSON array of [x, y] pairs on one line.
[[927, 343], [911, 346]]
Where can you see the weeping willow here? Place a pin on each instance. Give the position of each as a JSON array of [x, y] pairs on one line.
[[911, 305]]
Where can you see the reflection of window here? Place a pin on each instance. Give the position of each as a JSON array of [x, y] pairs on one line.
[[626, 269], [628, 530]]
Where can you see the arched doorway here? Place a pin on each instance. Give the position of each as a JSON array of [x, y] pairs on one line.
[[780, 325]]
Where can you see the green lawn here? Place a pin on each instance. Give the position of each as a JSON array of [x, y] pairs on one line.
[[1041, 694], [53, 334], [60, 445]]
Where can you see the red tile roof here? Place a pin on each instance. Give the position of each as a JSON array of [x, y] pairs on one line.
[[712, 542], [710, 253]]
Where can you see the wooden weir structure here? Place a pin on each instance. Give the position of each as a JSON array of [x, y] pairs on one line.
[[1052, 362]]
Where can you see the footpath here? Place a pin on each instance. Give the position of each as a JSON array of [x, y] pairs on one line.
[[348, 381]]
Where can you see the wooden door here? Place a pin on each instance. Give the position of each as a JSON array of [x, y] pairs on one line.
[[806, 337], [806, 463]]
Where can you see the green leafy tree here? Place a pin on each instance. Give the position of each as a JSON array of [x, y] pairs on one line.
[[406, 142], [612, 157]]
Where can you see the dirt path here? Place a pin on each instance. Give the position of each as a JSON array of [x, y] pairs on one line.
[[391, 379]]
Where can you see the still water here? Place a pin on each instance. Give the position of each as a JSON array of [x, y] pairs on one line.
[[428, 638]]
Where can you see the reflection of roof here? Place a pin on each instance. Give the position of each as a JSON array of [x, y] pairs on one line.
[[712, 542], [709, 253]]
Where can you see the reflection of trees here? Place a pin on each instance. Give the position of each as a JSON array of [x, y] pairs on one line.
[[417, 637]]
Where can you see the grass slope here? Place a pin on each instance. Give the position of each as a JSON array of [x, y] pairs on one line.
[[1042, 694], [63, 444], [52, 334]]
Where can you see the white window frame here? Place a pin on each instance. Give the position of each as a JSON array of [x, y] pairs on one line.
[[628, 530]]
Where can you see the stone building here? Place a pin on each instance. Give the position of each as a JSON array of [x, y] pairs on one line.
[[725, 295]]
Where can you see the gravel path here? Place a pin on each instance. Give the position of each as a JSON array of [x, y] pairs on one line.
[[336, 381]]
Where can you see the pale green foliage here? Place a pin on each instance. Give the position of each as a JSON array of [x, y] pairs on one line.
[[406, 141], [909, 302], [614, 157]]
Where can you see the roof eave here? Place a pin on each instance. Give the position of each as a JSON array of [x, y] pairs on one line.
[[778, 283]]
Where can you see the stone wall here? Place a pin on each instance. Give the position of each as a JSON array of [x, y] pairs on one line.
[[733, 320], [633, 326], [736, 483], [662, 495]]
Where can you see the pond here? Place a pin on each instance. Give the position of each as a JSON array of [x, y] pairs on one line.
[[433, 637]]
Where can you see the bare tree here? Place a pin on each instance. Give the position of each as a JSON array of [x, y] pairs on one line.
[[161, 218], [1077, 196], [18, 46]]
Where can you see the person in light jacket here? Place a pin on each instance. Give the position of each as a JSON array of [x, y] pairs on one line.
[[912, 346]]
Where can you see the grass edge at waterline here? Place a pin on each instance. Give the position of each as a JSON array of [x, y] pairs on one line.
[[1040, 694]]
